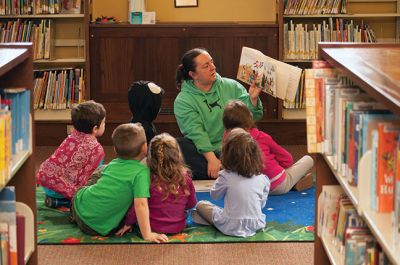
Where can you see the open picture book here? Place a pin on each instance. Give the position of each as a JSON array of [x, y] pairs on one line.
[[273, 77]]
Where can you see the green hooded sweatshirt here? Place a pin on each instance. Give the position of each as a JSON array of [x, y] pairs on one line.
[[199, 114]]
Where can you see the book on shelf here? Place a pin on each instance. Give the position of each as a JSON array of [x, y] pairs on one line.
[[8, 217], [300, 40], [58, 89], [20, 118], [274, 77], [315, 93], [396, 221], [388, 134], [340, 223], [328, 207], [20, 219], [71, 6], [5, 142]]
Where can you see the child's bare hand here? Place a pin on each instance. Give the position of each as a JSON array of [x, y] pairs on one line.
[[154, 237], [123, 230]]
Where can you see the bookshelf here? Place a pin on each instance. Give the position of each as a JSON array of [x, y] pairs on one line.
[[69, 47], [372, 67], [383, 16], [16, 71]]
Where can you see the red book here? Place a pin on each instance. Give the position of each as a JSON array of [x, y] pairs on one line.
[[386, 153], [21, 239]]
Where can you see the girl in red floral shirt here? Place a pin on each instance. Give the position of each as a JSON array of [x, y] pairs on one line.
[[75, 160]]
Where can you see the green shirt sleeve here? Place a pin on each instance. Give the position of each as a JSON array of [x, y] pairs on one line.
[[141, 184], [191, 125]]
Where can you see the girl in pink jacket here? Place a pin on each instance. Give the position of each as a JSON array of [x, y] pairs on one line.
[[278, 163]]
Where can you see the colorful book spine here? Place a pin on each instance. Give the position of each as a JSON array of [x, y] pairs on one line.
[[387, 146]]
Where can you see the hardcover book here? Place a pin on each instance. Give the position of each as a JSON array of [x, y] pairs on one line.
[[274, 77]]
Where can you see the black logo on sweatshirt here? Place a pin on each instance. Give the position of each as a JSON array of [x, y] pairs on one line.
[[212, 105]]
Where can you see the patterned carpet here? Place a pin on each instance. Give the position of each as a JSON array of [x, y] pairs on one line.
[[289, 218]]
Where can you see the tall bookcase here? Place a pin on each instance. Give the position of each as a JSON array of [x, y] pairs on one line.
[[69, 47], [383, 16], [375, 69], [16, 72]]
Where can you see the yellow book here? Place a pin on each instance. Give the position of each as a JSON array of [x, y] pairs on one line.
[[2, 148]]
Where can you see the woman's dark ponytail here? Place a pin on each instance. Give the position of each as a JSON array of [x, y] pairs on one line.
[[187, 64]]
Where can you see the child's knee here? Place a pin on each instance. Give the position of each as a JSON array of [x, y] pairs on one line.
[[308, 160]]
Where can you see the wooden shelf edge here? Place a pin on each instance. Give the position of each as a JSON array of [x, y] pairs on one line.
[[366, 15], [53, 115], [381, 227], [67, 60], [44, 16], [351, 192], [332, 253], [27, 212]]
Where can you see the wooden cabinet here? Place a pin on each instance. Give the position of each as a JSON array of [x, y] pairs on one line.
[[121, 54], [16, 72]]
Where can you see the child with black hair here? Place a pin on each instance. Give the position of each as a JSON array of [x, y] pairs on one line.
[[75, 160], [144, 100]]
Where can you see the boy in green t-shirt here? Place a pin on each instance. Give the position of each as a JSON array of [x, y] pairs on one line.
[[100, 208]]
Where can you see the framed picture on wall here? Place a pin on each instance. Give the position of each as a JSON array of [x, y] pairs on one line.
[[186, 3]]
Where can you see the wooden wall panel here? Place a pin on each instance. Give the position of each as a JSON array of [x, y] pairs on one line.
[[121, 54]]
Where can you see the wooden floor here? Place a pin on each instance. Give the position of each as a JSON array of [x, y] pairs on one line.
[[233, 253]]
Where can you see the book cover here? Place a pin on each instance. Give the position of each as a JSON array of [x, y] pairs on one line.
[[8, 215], [315, 80], [274, 77], [374, 159], [388, 134], [397, 196], [254, 65], [4, 243], [71, 7], [21, 239]]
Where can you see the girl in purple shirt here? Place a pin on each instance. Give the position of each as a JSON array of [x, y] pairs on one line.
[[278, 163], [171, 189]]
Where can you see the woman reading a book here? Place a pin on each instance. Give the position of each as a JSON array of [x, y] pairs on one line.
[[198, 110]]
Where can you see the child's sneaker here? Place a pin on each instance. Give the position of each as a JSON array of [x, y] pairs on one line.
[[304, 183], [56, 202]]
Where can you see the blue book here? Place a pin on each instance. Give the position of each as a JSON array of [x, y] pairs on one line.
[[374, 168], [370, 123]]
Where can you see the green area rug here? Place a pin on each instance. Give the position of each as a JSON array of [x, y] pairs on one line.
[[289, 218]]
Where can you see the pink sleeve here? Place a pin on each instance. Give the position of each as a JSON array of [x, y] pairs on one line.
[[192, 200], [283, 157], [130, 217]]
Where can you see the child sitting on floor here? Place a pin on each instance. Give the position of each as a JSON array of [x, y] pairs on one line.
[[99, 209], [241, 184], [144, 100], [278, 163], [75, 160], [171, 190]]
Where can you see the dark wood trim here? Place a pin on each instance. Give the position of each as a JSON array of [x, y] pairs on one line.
[[88, 15], [19, 73]]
